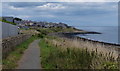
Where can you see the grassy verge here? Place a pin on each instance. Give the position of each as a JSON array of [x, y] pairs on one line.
[[45, 53], [8, 22], [11, 61], [57, 57]]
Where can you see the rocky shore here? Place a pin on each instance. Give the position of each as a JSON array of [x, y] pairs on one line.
[[75, 33], [72, 35], [92, 43]]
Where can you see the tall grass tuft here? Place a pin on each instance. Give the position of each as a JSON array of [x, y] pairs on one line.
[[58, 54]]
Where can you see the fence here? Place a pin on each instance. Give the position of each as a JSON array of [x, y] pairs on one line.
[[8, 30]]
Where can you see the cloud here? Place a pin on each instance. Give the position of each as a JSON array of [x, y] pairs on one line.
[[51, 6], [22, 1], [68, 8], [60, 0], [70, 12], [25, 4], [20, 16], [15, 8]]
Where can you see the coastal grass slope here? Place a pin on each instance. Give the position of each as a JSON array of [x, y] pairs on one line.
[[61, 53]]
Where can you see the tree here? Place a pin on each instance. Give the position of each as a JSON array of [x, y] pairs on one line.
[[18, 19]]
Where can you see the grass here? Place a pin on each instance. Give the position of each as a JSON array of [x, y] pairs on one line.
[[8, 22], [55, 56], [11, 61], [56, 29], [46, 50]]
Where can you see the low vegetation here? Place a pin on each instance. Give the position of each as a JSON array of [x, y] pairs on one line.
[[55, 55], [7, 21], [56, 29], [64, 53], [11, 61]]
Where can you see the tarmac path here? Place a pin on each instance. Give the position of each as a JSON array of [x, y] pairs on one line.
[[31, 57]]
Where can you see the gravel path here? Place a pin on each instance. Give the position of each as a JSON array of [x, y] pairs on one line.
[[31, 57]]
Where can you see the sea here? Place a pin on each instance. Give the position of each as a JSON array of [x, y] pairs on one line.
[[109, 33]]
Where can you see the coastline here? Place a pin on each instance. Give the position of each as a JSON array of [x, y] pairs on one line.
[[91, 45], [72, 35]]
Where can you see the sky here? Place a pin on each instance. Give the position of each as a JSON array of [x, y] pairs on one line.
[[71, 13], [59, 0]]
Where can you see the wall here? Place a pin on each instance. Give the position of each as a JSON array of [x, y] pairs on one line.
[[10, 43], [8, 30]]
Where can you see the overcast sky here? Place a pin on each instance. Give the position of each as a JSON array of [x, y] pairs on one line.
[[72, 13], [59, 0]]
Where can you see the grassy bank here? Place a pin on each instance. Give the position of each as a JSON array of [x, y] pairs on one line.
[[7, 22], [55, 55], [57, 29], [11, 61]]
